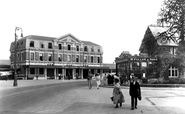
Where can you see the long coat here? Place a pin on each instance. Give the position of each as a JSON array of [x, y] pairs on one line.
[[134, 90], [118, 96]]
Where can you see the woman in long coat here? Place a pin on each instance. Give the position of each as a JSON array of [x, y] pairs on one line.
[[118, 97]]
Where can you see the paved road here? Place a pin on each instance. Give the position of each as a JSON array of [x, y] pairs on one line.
[[73, 97]]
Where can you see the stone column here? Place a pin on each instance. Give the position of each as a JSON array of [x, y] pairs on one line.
[[55, 75], [45, 73]]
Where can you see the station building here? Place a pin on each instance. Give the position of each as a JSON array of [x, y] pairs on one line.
[[50, 57]]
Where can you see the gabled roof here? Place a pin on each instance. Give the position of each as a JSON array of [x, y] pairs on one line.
[[69, 35], [156, 30]]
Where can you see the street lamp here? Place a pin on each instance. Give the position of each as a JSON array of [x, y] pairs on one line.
[[15, 55]]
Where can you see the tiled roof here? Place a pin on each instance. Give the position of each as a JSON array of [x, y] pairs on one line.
[[36, 37], [89, 43]]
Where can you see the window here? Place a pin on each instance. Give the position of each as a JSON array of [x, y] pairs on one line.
[[98, 59], [92, 49], [68, 47], [41, 70], [60, 57], [18, 57], [60, 46], [173, 50], [85, 48], [98, 49], [41, 56], [49, 57], [32, 56], [50, 46], [85, 59], [77, 58], [92, 59], [32, 70], [31, 43], [77, 48], [69, 58], [173, 71], [22, 57], [41, 45]]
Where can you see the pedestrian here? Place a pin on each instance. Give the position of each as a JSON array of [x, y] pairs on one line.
[[135, 92], [89, 79], [118, 97], [97, 80]]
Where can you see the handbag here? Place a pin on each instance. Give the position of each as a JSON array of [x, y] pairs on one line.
[[112, 98]]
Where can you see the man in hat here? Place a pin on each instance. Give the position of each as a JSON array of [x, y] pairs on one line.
[[134, 92]]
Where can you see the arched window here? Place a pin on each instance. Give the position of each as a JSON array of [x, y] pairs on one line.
[[68, 47], [60, 46], [77, 48], [85, 48], [31, 43], [50, 46]]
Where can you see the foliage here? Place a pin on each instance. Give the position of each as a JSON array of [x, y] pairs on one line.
[[172, 14]]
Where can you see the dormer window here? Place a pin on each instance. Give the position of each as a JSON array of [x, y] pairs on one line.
[[41, 45], [98, 49], [68, 47], [31, 43], [85, 48], [50, 46]]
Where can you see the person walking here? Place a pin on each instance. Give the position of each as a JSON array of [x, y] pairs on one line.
[[135, 92], [97, 80], [89, 79], [118, 97]]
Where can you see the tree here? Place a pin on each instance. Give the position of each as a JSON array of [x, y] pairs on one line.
[[172, 15]]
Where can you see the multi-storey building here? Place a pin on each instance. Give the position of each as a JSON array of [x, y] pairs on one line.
[[49, 57]]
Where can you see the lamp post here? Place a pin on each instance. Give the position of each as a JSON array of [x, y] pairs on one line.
[[15, 56]]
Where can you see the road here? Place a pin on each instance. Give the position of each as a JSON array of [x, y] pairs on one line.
[[76, 98]]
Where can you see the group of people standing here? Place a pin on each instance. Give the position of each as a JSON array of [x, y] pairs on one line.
[[117, 94]]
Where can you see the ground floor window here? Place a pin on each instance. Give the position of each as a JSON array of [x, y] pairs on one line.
[[173, 71], [41, 70], [32, 70]]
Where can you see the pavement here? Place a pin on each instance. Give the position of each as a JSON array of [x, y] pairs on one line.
[[98, 99]]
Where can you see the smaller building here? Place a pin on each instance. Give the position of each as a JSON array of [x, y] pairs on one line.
[[140, 65]]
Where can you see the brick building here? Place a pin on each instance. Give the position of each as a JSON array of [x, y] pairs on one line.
[[49, 57]]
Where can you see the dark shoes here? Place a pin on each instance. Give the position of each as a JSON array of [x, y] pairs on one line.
[[116, 106], [132, 108], [136, 107]]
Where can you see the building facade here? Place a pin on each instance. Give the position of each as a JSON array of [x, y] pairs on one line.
[[146, 63], [49, 57]]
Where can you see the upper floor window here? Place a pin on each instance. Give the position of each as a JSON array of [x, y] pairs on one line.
[[92, 59], [98, 49], [92, 49], [77, 58], [22, 55], [98, 59], [85, 48], [49, 57], [60, 57], [69, 58], [77, 48], [32, 56], [173, 50], [41, 45], [68, 47], [60, 46], [31, 43], [50, 45], [85, 59], [41, 56]]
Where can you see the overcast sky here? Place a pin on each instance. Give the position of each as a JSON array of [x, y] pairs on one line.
[[116, 25]]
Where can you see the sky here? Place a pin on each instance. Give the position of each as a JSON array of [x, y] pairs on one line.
[[116, 25]]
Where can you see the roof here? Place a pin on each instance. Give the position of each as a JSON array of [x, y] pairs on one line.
[[110, 66], [36, 37], [157, 30], [4, 62], [89, 43]]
